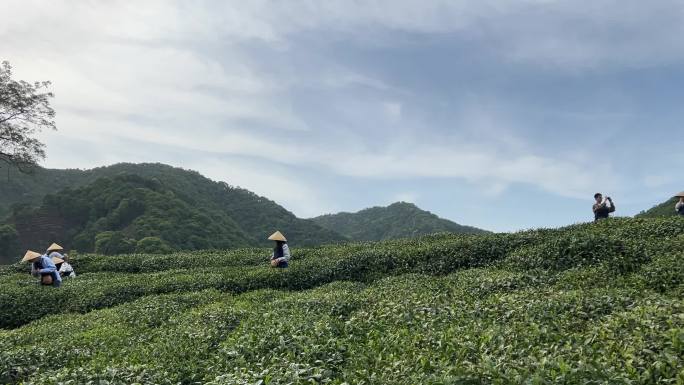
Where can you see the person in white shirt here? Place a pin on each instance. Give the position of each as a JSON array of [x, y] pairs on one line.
[[281, 253], [66, 270]]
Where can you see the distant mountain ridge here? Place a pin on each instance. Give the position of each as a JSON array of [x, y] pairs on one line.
[[122, 204], [665, 209], [398, 220], [127, 207]]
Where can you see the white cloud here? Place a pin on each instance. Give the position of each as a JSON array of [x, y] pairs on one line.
[[495, 189], [408, 196], [392, 110], [478, 166], [560, 33], [658, 180], [275, 183]]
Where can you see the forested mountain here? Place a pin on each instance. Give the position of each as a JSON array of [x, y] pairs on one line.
[[16, 187], [111, 209], [111, 215], [665, 209], [154, 208], [398, 220]]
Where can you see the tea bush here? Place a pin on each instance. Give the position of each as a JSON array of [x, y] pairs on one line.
[[591, 303], [579, 250]]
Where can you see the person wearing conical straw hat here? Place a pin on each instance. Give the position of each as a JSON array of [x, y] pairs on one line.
[[30, 256], [281, 252], [65, 269], [679, 207], [43, 267], [55, 251]]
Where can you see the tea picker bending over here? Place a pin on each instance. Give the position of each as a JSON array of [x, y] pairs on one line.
[[61, 260], [65, 269], [43, 267], [55, 251], [281, 252]]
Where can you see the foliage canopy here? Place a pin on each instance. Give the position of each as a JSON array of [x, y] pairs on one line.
[[24, 111]]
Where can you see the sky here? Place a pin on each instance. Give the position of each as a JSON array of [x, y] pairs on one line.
[[505, 115]]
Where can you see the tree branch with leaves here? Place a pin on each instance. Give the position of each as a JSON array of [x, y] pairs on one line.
[[24, 112]]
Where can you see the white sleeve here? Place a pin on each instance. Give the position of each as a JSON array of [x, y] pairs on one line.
[[286, 252], [678, 205], [67, 269]]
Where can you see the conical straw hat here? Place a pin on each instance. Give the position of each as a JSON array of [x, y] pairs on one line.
[[277, 236], [680, 195], [57, 260], [30, 255], [55, 247]]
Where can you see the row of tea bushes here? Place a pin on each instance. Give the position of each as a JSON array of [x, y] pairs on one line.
[[624, 229], [470, 327], [22, 301]]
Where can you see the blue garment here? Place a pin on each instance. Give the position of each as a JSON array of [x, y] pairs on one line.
[[45, 266]]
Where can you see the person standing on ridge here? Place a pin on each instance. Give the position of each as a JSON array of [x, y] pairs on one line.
[[679, 207], [281, 252], [602, 207]]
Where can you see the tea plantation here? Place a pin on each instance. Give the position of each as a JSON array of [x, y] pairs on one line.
[[586, 304]]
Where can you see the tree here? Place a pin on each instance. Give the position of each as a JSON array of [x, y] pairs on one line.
[[114, 242], [9, 243], [24, 111], [152, 245]]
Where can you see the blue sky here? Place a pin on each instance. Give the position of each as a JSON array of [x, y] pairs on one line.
[[504, 115]]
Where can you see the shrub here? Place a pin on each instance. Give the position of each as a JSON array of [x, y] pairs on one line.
[[569, 305], [152, 245], [578, 250]]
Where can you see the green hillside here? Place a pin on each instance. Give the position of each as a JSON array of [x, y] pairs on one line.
[[183, 208], [176, 209], [398, 220], [16, 187], [665, 209], [111, 215], [586, 304]]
